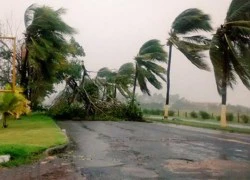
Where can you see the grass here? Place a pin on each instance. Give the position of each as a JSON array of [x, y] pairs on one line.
[[202, 125], [27, 138]]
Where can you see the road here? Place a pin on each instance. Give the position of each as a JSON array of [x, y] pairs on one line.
[[133, 150]]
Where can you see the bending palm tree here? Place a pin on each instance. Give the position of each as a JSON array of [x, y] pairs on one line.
[[189, 21], [46, 50], [146, 68], [230, 51], [119, 80]]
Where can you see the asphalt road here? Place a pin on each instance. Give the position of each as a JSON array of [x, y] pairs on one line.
[[133, 150]]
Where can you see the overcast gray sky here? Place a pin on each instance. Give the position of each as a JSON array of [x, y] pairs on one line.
[[112, 31]]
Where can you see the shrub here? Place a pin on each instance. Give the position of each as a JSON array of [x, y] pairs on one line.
[[63, 110], [133, 112], [245, 118], [171, 113], [194, 114], [118, 110], [230, 117], [153, 111], [204, 115]]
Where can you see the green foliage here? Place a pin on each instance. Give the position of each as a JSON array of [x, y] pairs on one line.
[[192, 46], [63, 110], [171, 113], [191, 20], [147, 69], [229, 50], [245, 118], [204, 115], [44, 60], [20, 154], [13, 103], [26, 139], [194, 114], [111, 81], [208, 126], [153, 112], [133, 112], [230, 116], [122, 111]]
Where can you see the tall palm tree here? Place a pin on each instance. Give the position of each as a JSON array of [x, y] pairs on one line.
[[189, 21], [120, 80], [230, 51], [146, 67], [45, 52]]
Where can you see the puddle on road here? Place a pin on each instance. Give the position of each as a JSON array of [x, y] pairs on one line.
[[139, 172], [215, 167]]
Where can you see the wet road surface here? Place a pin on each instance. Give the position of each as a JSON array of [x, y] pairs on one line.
[[133, 150]]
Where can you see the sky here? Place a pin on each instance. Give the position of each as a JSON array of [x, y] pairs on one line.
[[112, 31]]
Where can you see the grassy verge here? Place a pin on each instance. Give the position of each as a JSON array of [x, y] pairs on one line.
[[27, 138], [203, 125]]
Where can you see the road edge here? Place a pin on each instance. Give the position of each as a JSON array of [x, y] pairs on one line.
[[60, 148]]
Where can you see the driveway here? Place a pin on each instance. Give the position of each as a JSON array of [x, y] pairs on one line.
[[133, 150]]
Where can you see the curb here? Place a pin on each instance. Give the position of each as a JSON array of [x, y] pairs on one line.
[[57, 149]]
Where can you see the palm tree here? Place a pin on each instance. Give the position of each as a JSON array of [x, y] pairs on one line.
[[45, 51], [189, 21], [119, 80], [146, 67], [230, 51], [13, 103]]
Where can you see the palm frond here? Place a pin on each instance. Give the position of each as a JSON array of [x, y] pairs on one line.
[[193, 52], [127, 69], [239, 64], [104, 72], [198, 39], [191, 20], [149, 43], [141, 79], [219, 62], [155, 68], [152, 79], [238, 10]]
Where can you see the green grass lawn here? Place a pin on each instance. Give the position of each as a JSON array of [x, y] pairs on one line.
[[26, 139], [201, 125]]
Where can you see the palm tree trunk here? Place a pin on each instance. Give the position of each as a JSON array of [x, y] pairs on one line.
[[5, 120], [24, 68], [168, 82], [134, 88], [115, 91], [223, 117]]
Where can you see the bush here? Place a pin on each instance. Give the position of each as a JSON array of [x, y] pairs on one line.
[[63, 110], [194, 114], [133, 112], [118, 110], [204, 115], [230, 117], [171, 113], [245, 118], [153, 112]]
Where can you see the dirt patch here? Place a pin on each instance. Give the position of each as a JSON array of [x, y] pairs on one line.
[[51, 168], [215, 167]]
